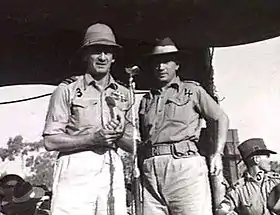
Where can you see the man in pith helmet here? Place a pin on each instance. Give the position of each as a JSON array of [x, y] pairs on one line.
[[87, 121]]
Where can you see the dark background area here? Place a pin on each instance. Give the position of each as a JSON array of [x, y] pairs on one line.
[[39, 39]]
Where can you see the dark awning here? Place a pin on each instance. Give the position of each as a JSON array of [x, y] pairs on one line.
[[39, 39]]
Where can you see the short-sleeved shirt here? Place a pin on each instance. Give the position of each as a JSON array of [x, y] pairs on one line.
[[176, 113], [79, 106], [248, 196]]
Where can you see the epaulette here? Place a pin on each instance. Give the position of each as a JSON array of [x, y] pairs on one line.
[[70, 80], [273, 174], [192, 82], [238, 183]]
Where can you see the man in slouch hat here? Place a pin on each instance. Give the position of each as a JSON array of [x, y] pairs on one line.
[[175, 175], [250, 194]]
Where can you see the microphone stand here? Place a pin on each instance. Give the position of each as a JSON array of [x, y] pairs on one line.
[[136, 206]]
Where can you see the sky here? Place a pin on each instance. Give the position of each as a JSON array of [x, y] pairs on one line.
[[248, 83], [24, 118], [247, 78]]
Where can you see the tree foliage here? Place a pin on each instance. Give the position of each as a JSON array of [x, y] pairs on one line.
[[39, 162], [275, 166], [42, 168]]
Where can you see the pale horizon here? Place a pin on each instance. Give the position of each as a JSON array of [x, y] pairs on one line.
[[247, 78]]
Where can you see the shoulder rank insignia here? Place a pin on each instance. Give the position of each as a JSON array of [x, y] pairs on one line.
[[273, 174], [188, 92], [70, 80], [192, 82]]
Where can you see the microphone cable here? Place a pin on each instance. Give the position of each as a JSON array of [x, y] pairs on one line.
[[26, 99]]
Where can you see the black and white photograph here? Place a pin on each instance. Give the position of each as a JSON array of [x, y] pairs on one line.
[[139, 107]]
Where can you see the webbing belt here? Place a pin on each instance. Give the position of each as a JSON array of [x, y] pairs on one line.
[[176, 149]]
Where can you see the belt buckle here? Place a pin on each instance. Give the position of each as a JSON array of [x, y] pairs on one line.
[[155, 151]]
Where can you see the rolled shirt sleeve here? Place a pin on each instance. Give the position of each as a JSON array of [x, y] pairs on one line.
[[206, 105], [58, 112]]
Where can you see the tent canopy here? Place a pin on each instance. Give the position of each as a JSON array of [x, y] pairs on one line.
[[39, 39]]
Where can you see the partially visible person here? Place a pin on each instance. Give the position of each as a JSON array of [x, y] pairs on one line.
[[2, 196], [87, 120], [248, 196], [7, 185], [175, 175], [273, 200], [44, 205], [26, 200]]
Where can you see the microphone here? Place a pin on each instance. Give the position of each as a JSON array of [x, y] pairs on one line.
[[112, 107], [132, 71]]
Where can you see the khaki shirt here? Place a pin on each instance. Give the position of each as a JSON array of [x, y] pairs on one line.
[[78, 106], [176, 114], [248, 196]]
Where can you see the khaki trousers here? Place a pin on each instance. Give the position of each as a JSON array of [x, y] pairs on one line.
[[83, 183], [176, 186]]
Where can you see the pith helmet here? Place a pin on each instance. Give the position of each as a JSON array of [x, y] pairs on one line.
[[100, 34], [254, 146]]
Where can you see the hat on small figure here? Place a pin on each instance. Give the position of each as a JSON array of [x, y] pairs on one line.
[[25, 199], [253, 146]]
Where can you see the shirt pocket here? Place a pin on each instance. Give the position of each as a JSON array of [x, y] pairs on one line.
[[178, 108], [84, 112], [150, 115]]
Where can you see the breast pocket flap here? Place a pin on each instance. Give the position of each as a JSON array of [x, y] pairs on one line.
[[179, 101], [84, 103]]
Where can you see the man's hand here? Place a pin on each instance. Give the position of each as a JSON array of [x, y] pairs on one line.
[[221, 212], [110, 134], [115, 125], [216, 165], [106, 137], [224, 209]]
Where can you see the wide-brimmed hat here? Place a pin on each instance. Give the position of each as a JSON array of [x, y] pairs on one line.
[[25, 191], [7, 184], [164, 47], [10, 180], [25, 198], [99, 34], [273, 200], [253, 146]]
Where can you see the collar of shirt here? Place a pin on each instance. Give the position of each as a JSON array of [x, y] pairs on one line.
[[89, 80], [174, 84], [258, 178]]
